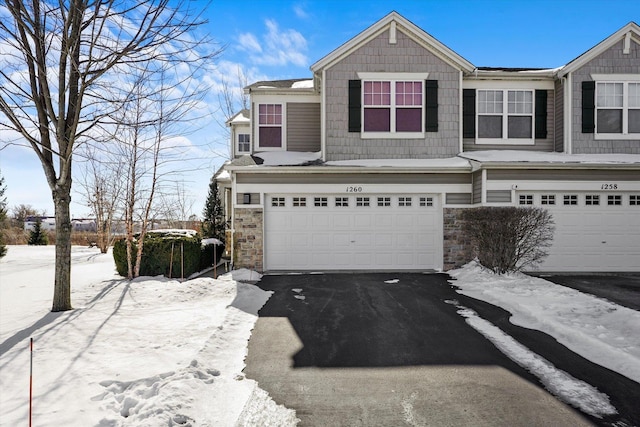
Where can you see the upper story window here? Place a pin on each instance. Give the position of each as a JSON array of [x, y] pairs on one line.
[[393, 106], [618, 108], [244, 143], [505, 115], [270, 125]]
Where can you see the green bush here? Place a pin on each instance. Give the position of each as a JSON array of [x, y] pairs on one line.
[[210, 255], [162, 255], [508, 239]]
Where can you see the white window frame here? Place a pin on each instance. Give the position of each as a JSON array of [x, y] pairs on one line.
[[282, 125], [625, 79], [238, 150], [505, 140], [393, 78]]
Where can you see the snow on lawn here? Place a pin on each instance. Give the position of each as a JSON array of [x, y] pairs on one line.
[[146, 352], [598, 330]]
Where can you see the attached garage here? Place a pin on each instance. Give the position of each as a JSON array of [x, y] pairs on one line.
[[595, 231], [352, 232]]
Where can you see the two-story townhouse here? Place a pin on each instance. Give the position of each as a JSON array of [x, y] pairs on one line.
[[368, 164]]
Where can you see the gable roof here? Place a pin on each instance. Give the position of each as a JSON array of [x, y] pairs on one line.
[[241, 117], [631, 28], [410, 29]]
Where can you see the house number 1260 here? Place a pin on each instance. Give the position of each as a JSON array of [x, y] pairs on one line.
[[354, 189]]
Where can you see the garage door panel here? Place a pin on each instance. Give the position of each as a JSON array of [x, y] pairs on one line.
[[395, 236], [592, 238]]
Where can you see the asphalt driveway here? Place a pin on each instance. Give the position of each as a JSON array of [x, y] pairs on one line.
[[350, 349], [623, 289]]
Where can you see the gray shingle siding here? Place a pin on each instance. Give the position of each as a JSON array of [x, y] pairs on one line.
[[612, 61], [380, 56]]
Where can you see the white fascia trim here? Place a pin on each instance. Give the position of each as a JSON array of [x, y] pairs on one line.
[[617, 136], [343, 189], [508, 84], [504, 141], [392, 76], [616, 77], [562, 186], [392, 135]]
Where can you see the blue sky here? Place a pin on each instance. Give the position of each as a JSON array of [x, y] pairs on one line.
[[281, 39]]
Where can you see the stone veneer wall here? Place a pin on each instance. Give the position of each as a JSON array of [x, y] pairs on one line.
[[457, 247], [248, 249]]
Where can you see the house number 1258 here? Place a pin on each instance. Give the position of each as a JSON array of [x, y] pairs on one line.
[[354, 190], [609, 187]]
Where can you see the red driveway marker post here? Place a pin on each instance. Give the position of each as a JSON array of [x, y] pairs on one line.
[[30, 380]]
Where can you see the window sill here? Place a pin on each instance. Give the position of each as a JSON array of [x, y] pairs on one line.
[[502, 141], [392, 135], [617, 136]]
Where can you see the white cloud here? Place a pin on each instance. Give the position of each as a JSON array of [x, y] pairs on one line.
[[279, 46], [300, 12]]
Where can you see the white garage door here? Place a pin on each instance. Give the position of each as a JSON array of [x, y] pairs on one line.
[[353, 232], [595, 232]]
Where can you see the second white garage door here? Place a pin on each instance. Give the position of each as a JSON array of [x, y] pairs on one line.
[[595, 232], [353, 232]]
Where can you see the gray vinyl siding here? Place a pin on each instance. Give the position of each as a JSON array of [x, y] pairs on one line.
[[255, 199], [547, 144], [604, 175], [303, 126], [558, 126], [380, 56], [458, 198], [351, 179], [612, 61], [498, 196], [477, 187]]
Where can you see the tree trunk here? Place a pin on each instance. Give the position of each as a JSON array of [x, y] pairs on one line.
[[62, 286]]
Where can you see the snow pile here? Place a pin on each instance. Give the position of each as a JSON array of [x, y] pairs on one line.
[[542, 157], [598, 330], [146, 352], [287, 158], [452, 162], [303, 84]]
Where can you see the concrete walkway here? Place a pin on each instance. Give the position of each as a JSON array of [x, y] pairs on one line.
[[350, 349]]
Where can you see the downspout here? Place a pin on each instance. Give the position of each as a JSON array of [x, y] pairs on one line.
[[568, 110], [460, 90], [234, 202]]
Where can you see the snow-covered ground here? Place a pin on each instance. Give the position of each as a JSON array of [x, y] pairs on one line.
[[148, 352], [600, 331]]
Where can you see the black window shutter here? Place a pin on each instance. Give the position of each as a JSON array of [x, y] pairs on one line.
[[468, 113], [354, 105], [588, 107], [541, 114], [431, 107]]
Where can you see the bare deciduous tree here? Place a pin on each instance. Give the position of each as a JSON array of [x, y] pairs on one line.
[[59, 65]]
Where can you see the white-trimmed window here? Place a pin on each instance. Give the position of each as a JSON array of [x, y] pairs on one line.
[[570, 199], [404, 201], [426, 201], [384, 201], [320, 201], [525, 199], [342, 202], [634, 200], [270, 125], [614, 200], [244, 143], [548, 199], [505, 116], [277, 202], [393, 106], [618, 108], [362, 201], [299, 202], [592, 200]]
